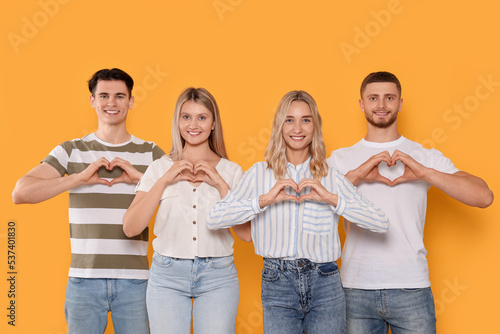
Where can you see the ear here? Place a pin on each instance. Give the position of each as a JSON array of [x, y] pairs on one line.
[[361, 105], [400, 104], [213, 126], [131, 102], [92, 100]]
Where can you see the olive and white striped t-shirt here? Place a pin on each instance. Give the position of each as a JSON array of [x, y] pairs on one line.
[[99, 248]]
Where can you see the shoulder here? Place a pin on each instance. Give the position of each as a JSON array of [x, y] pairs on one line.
[[161, 164], [229, 166]]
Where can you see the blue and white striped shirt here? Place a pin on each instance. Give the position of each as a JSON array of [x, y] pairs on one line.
[[289, 230]]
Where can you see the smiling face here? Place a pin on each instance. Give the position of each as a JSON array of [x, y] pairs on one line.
[[195, 123], [381, 103], [111, 102], [298, 128]]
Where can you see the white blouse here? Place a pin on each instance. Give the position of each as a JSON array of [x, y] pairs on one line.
[[181, 222]]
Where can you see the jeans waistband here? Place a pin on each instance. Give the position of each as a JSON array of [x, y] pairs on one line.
[[302, 264]]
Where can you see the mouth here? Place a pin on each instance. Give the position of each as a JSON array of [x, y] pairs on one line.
[[297, 138], [381, 113], [111, 112], [194, 133]]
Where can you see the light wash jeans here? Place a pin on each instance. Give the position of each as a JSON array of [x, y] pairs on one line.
[[302, 296], [404, 310], [207, 288], [88, 301]]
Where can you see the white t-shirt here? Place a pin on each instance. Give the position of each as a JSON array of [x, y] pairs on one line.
[[181, 222], [396, 259]]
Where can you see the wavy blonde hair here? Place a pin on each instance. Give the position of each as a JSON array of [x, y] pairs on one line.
[[216, 138], [276, 149]]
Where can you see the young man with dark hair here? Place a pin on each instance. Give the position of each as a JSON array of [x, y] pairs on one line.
[[385, 276], [108, 271]]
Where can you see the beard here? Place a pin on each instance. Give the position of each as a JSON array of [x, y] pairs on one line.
[[382, 123]]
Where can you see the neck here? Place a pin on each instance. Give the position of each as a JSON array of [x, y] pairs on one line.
[[112, 134], [382, 135], [195, 153], [297, 157]]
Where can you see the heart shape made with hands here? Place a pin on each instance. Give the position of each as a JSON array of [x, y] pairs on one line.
[[301, 197], [196, 178], [392, 172]]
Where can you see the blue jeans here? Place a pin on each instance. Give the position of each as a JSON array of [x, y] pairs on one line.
[[88, 301], [404, 310], [207, 288], [302, 296]]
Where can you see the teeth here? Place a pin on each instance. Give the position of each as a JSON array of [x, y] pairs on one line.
[[112, 111], [297, 138]]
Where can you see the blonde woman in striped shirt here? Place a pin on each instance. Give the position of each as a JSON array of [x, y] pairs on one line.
[[294, 201]]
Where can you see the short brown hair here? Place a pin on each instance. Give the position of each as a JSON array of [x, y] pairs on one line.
[[380, 77]]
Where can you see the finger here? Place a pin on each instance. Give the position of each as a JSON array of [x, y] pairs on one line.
[[398, 180], [182, 177], [384, 180], [305, 197], [287, 197], [288, 183], [102, 181], [117, 180]]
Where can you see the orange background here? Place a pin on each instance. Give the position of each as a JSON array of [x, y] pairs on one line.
[[248, 53]]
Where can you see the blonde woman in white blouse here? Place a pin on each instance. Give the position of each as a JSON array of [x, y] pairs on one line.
[[193, 272]]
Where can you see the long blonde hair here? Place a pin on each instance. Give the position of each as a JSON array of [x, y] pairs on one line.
[[216, 138], [276, 149]]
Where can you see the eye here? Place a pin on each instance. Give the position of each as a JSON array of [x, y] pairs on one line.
[[390, 98], [185, 117], [307, 120], [202, 118], [288, 120], [372, 98]]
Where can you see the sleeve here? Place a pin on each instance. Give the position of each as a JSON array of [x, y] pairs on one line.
[[149, 178], [236, 177], [357, 209], [59, 157], [239, 205], [157, 152], [442, 163]]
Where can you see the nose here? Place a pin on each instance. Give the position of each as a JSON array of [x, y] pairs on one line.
[[297, 127], [111, 101], [381, 103], [193, 123]]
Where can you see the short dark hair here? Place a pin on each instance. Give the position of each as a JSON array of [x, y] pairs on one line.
[[110, 75], [380, 77]]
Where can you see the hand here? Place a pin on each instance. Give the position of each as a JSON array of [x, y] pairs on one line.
[[413, 170], [368, 171], [130, 174], [89, 175], [278, 194], [318, 192], [174, 173], [205, 172]]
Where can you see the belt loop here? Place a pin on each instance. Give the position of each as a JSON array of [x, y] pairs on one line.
[[282, 265]]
